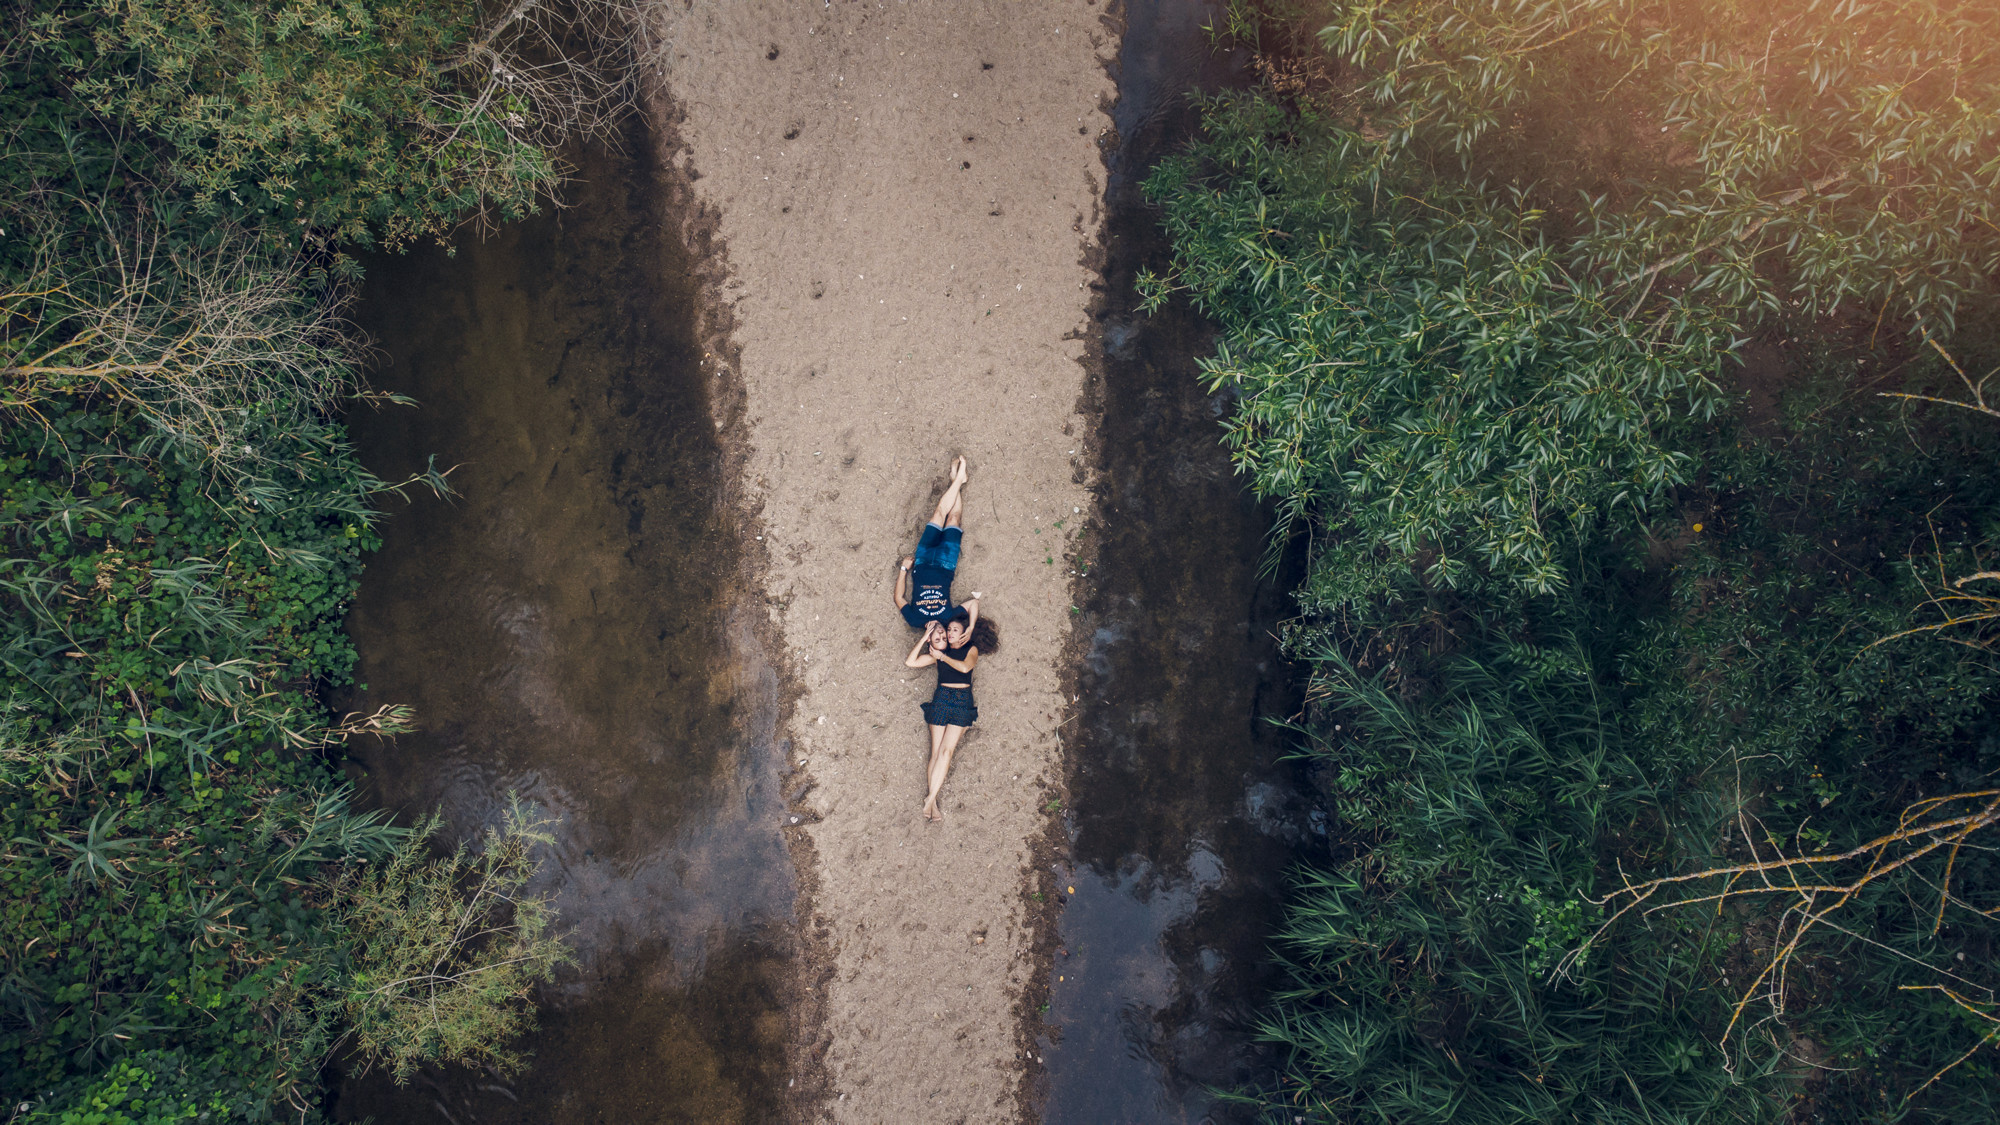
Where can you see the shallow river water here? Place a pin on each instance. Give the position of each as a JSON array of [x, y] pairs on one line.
[[1184, 822], [574, 627]]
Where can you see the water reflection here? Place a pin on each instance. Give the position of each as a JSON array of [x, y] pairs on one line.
[[1184, 822], [571, 627], [1127, 976]]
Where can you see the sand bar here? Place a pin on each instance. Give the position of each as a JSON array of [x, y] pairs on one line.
[[906, 194]]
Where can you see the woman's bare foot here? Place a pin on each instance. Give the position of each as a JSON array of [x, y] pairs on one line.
[[958, 472], [931, 811]]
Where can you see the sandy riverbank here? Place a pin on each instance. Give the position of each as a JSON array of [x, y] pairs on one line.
[[906, 196]]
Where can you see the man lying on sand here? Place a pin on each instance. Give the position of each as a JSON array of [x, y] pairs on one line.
[[923, 580]]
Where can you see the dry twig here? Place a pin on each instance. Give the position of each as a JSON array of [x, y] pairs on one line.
[[1815, 896], [193, 339]]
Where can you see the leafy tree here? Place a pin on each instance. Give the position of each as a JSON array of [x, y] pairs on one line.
[[446, 951], [382, 121], [1593, 602], [1420, 370], [1806, 152]]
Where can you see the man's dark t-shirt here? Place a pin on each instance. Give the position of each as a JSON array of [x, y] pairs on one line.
[[930, 595]]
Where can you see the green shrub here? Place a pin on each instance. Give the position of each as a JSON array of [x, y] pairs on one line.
[[358, 122], [1733, 706], [190, 907], [446, 951], [149, 1088], [184, 868], [1441, 974], [1591, 601], [1420, 370], [1768, 156], [159, 657]]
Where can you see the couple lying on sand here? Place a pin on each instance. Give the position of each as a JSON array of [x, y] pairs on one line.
[[954, 636]]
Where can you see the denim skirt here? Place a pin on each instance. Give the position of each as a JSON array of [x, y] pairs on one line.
[[951, 707]]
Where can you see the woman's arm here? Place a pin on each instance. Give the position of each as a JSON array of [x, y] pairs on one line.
[[919, 658], [972, 607], [902, 594], [970, 662]]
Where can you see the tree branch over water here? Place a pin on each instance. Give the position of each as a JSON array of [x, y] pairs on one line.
[[1816, 897]]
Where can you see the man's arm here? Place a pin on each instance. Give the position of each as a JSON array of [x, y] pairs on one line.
[[902, 595]]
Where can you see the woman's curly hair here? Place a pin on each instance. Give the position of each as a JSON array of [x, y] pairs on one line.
[[985, 635]]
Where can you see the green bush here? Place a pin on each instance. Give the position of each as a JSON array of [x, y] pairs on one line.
[[1420, 370], [192, 915], [164, 808], [1499, 787], [149, 1088], [1441, 974], [1771, 156], [377, 121], [1600, 592], [444, 952]]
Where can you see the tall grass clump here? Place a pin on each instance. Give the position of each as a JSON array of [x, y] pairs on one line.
[[1623, 367], [1452, 934]]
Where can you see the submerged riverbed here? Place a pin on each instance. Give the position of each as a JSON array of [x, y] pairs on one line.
[[574, 626], [1184, 823]]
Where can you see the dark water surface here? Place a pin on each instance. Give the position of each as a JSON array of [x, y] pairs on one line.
[[1183, 821], [574, 627]]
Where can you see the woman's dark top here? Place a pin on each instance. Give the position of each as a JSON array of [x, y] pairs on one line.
[[948, 673]]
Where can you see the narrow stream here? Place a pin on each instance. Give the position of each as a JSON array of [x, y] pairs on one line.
[[573, 627], [1184, 822]]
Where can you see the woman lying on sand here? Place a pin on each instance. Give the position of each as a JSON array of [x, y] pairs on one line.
[[954, 647]]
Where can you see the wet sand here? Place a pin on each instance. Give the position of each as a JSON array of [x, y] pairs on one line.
[[907, 197]]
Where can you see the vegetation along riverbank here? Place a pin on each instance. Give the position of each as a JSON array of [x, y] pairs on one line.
[[193, 918], [1625, 365]]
